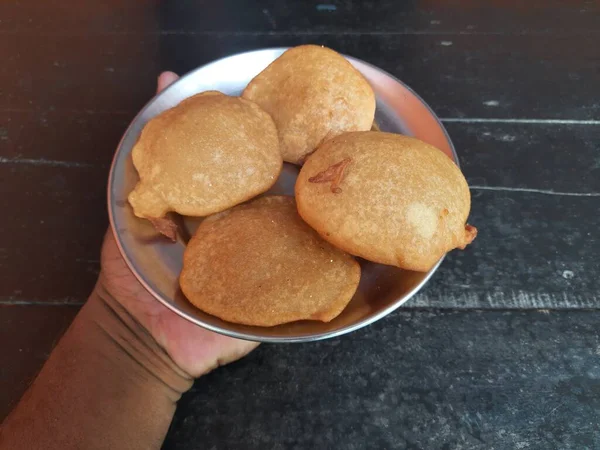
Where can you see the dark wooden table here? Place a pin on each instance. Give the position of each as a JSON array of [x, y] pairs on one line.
[[501, 350]]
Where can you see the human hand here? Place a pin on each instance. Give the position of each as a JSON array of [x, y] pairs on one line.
[[194, 349]]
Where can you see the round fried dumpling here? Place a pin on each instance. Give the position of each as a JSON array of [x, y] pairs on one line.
[[207, 154], [313, 93], [260, 264], [388, 198]]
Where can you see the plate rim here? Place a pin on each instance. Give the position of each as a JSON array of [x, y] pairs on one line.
[[240, 335]]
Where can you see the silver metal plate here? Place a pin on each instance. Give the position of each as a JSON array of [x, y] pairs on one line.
[[156, 262]]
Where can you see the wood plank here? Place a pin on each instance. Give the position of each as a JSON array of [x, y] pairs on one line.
[[459, 371], [85, 16], [466, 16], [61, 137], [534, 250], [52, 225], [553, 157], [496, 76], [87, 73], [443, 17], [419, 380], [28, 334], [558, 157], [493, 76]]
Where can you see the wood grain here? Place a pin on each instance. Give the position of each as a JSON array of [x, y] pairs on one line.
[[57, 143], [416, 380], [534, 250], [458, 77], [60, 138], [86, 74], [492, 76], [498, 351], [456, 16], [551, 157]]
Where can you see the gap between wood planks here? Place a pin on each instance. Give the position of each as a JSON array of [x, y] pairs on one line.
[[45, 162], [534, 191], [501, 300], [73, 164], [442, 300], [523, 120], [15, 302], [520, 121]]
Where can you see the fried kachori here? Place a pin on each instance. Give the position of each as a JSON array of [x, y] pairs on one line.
[[313, 94], [260, 264], [207, 154], [388, 198]]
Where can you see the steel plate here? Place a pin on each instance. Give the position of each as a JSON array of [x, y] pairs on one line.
[[156, 262]]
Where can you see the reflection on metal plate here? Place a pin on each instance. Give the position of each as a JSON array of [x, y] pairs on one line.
[[157, 262]]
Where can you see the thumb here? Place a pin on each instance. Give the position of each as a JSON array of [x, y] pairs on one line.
[[165, 79]]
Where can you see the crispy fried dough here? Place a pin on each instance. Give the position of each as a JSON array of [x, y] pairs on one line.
[[313, 94], [260, 264], [208, 153], [395, 200]]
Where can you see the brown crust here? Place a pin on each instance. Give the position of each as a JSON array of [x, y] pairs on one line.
[[260, 264], [406, 218], [470, 235], [207, 154], [313, 94], [165, 226], [333, 174]]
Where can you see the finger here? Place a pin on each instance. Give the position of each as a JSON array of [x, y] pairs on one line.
[[165, 79]]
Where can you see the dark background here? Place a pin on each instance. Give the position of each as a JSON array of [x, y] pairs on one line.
[[501, 350]]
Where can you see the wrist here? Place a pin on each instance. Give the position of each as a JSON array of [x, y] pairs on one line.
[[107, 382], [128, 342]]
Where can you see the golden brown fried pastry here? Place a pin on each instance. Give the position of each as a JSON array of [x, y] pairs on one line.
[[388, 198], [260, 264], [313, 94], [208, 153]]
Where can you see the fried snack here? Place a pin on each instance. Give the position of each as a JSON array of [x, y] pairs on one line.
[[313, 94], [260, 264], [388, 198], [203, 156]]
